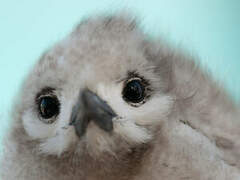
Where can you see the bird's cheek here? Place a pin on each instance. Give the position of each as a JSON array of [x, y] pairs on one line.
[[35, 128], [131, 132]]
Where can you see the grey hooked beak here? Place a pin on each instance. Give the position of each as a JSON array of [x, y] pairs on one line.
[[90, 107]]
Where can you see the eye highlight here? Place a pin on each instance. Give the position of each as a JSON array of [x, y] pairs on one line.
[[48, 106]]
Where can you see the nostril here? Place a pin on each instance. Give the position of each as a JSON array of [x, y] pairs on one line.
[[72, 122]]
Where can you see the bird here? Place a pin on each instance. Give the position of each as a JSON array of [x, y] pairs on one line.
[[110, 102]]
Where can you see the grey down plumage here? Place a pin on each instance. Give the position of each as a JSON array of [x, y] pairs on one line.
[[127, 107]]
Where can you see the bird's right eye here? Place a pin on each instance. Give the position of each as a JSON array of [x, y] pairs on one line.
[[48, 107]]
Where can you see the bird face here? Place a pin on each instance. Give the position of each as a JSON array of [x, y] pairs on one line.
[[96, 92]]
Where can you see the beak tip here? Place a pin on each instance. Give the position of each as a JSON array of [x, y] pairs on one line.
[[92, 107]]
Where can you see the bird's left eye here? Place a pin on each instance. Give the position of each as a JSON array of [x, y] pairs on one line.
[[133, 91]]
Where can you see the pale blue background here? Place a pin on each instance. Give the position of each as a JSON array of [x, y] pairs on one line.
[[207, 28]]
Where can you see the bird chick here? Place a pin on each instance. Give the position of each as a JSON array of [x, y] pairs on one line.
[[109, 103]]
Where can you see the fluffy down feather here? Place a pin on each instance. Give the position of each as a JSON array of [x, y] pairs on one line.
[[185, 128]]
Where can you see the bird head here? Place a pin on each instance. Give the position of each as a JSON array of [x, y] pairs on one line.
[[100, 90]]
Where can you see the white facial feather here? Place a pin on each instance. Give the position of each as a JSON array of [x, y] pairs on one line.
[[130, 120], [36, 129]]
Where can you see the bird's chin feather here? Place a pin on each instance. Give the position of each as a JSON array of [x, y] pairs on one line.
[[131, 132]]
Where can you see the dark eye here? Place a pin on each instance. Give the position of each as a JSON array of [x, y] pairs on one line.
[[133, 91], [48, 107]]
